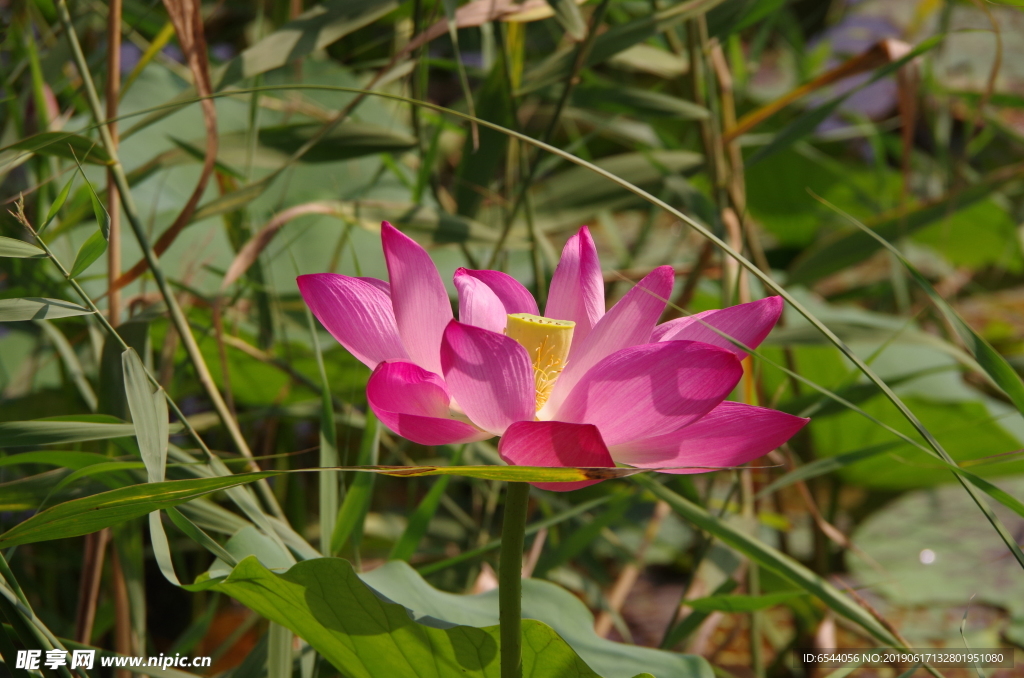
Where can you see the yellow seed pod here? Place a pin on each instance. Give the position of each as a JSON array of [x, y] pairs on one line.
[[547, 341]]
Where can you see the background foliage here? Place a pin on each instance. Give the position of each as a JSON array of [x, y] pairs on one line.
[[864, 158]]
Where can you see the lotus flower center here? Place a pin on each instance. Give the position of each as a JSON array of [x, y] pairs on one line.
[[547, 341]]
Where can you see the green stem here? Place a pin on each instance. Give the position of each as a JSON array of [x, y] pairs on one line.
[[510, 583]]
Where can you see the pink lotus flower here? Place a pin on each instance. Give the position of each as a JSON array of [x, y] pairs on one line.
[[578, 387]]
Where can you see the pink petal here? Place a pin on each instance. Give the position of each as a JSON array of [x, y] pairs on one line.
[[747, 323], [478, 304], [421, 304], [413, 403], [730, 435], [577, 287], [514, 297], [382, 285], [490, 376], [555, 443], [628, 323], [357, 313], [648, 390]]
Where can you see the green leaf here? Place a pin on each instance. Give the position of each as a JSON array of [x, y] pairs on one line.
[[38, 308], [578, 540], [91, 250], [738, 603], [616, 39], [149, 414], [313, 30], [568, 15], [357, 498], [641, 103], [19, 249], [72, 460], [420, 519], [62, 198], [772, 559], [72, 364], [434, 634], [89, 514], [820, 467], [965, 558], [847, 249], [58, 143], [62, 430], [988, 358]]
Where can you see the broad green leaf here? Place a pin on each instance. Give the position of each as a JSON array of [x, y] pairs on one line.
[[768, 557], [740, 603], [62, 430], [364, 636], [937, 552], [58, 143], [38, 308], [91, 250], [89, 514], [19, 249], [543, 601]]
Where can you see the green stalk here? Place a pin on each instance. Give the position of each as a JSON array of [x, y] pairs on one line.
[[177, 316], [510, 582]]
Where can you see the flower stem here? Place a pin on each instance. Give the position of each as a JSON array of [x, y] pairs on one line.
[[510, 583]]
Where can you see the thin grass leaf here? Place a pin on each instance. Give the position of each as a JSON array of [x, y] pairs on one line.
[[72, 364], [994, 364], [200, 537], [72, 460], [357, 498], [58, 203], [742, 603], [844, 250], [19, 249], [556, 519], [89, 514], [62, 145], [37, 308], [568, 15]]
